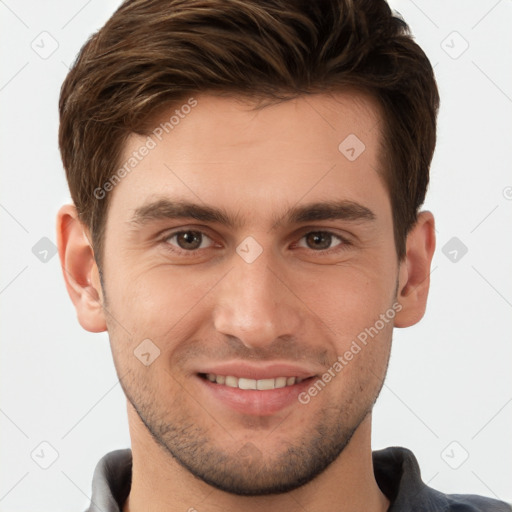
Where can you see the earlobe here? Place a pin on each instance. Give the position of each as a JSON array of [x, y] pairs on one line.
[[80, 270], [414, 274]]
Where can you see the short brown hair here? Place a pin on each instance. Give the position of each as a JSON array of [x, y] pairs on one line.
[[152, 54]]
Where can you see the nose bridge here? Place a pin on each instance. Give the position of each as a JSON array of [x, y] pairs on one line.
[[253, 304]]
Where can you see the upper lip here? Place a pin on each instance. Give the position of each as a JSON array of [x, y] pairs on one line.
[[251, 371]]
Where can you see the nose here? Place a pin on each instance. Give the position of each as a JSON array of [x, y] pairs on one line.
[[255, 304]]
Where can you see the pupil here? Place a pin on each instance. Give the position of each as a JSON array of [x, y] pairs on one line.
[[317, 237], [188, 237]]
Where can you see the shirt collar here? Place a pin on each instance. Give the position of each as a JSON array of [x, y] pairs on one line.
[[396, 471]]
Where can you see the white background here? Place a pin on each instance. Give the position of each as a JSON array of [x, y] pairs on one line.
[[450, 376]]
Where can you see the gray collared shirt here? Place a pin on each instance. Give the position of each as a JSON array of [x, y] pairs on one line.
[[396, 471]]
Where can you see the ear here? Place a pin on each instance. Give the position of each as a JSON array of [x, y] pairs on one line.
[[414, 273], [80, 270]]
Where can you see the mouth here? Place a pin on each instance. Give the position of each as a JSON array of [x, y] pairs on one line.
[[255, 384], [250, 395]]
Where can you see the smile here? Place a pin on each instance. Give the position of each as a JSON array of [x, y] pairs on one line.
[[255, 384]]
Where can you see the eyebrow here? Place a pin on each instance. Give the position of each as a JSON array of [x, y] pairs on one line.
[[162, 209]]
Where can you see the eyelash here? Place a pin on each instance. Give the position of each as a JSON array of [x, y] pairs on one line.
[[343, 245]]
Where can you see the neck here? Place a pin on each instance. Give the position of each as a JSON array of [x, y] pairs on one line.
[[160, 484]]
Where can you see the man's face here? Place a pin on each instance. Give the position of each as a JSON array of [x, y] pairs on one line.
[[282, 291]]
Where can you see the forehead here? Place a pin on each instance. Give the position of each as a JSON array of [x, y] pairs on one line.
[[215, 150], [221, 124]]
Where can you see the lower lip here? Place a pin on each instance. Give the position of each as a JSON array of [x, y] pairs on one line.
[[254, 402]]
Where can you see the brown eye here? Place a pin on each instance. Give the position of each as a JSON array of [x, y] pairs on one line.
[[188, 240], [320, 240]]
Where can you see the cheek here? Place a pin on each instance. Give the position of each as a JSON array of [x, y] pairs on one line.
[[363, 359], [349, 299], [358, 310], [155, 301]]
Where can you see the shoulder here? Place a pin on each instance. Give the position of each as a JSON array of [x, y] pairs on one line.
[[397, 473], [475, 503]]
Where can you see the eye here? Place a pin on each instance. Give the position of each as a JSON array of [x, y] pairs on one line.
[[322, 240], [188, 240]]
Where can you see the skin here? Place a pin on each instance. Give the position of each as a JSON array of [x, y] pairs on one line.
[[296, 302]]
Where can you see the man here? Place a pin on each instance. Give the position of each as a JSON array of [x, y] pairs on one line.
[[247, 178]]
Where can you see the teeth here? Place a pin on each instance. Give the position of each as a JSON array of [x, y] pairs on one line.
[[280, 382], [246, 383], [232, 382], [261, 384]]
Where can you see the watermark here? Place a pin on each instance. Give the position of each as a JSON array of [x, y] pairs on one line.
[[249, 249], [45, 45], [44, 250], [146, 352], [139, 154], [351, 147], [454, 249], [44, 455], [342, 361], [454, 45], [455, 455]]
